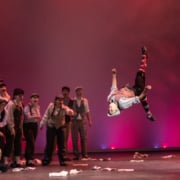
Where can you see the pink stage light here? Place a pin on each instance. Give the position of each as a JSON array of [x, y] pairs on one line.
[[112, 147], [165, 146]]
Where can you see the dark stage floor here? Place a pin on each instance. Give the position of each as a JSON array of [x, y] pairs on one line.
[[116, 165]]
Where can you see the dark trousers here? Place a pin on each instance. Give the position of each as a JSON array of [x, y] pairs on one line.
[[139, 83], [67, 133], [79, 128], [2, 138], [51, 133], [30, 133], [13, 143], [2, 142], [139, 86]]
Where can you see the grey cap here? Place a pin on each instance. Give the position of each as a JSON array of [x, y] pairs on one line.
[[78, 88], [36, 95], [59, 97]]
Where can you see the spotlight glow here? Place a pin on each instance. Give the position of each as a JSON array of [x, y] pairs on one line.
[[156, 146], [112, 147], [165, 146], [103, 146]]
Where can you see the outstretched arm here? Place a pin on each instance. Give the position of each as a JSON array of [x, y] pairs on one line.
[[113, 85], [114, 78]]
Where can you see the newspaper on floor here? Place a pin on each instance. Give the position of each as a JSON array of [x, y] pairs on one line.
[[80, 164], [88, 159], [17, 169], [105, 159], [74, 171], [96, 168], [64, 173], [58, 174], [23, 169], [137, 161], [125, 170], [168, 156], [117, 170], [138, 155]]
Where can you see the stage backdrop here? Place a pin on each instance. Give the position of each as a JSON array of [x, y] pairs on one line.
[[46, 44]]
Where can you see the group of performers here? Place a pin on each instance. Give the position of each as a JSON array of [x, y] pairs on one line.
[[62, 116]]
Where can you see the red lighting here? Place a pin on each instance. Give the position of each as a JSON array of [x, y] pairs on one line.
[[112, 147], [164, 146]]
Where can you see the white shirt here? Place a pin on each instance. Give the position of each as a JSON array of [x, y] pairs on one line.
[[122, 102]]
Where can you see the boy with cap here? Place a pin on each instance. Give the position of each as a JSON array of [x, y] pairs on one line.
[[54, 118], [3, 123], [81, 108], [30, 127], [14, 130], [126, 96]]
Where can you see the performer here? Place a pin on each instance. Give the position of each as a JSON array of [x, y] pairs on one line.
[[65, 90], [3, 123], [30, 127], [54, 118], [126, 96], [79, 125], [15, 118]]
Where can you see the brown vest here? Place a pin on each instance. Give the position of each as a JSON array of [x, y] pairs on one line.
[[59, 118], [79, 109]]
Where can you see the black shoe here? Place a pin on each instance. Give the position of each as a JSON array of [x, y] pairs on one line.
[[76, 158], [15, 165], [30, 164], [144, 51], [62, 163], [85, 157], [45, 162], [3, 168], [66, 159], [150, 117]]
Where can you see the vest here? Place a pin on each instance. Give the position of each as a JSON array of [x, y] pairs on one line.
[[59, 118], [79, 109]]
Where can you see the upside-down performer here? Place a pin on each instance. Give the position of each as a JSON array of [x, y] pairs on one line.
[[125, 97]]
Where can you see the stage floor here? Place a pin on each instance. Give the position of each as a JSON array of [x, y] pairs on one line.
[[116, 165]]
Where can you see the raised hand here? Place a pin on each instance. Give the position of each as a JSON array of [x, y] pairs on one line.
[[114, 71]]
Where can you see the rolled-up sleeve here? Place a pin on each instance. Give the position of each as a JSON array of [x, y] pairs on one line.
[[46, 115]]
